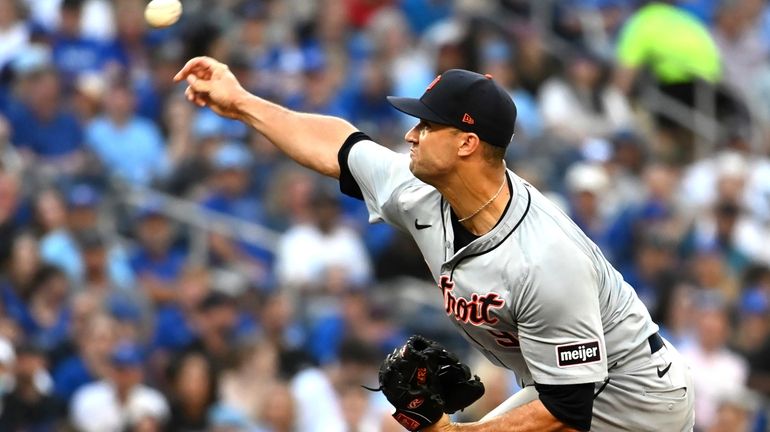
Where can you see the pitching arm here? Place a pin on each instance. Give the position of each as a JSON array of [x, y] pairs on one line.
[[312, 140]]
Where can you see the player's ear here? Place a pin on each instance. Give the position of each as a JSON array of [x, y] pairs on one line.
[[470, 143]]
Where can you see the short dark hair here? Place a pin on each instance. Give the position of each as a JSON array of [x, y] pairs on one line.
[[90, 239], [216, 299], [492, 153], [42, 276], [72, 5]]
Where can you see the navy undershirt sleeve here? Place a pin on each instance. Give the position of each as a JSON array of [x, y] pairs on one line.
[[571, 404], [348, 184]]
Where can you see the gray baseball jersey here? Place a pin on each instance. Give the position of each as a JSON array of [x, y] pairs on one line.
[[534, 294]]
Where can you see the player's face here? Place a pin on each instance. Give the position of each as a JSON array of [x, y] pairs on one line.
[[432, 154]]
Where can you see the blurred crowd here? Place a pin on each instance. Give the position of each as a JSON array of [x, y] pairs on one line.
[[112, 320]]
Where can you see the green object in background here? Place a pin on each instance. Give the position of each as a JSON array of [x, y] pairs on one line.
[[674, 44]]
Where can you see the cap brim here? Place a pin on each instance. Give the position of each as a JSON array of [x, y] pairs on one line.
[[415, 108]]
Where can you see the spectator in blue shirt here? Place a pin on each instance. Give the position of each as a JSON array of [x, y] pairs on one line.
[[74, 53], [175, 321], [356, 318], [233, 196], [424, 13], [47, 308], [156, 262], [42, 128], [90, 362], [129, 147], [369, 107], [705, 10], [154, 90], [319, 94]]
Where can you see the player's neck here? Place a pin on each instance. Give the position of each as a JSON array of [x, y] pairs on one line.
[[468, 192]]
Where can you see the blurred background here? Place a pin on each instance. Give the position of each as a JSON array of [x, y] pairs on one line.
[[164, 269]]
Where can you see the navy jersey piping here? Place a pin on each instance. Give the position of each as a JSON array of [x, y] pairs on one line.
[[524, 215], [443, 224]]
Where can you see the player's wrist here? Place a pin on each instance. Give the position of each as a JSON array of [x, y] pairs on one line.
[[242, 100], [444, 424]]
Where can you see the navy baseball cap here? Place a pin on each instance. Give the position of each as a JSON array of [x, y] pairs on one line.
[[467, 100], [127, 355], [84, 195], [232, 155], [755, 302]]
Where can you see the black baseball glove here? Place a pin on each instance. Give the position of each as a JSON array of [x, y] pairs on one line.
[[423, 380]]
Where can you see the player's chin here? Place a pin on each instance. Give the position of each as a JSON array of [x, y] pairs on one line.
[[417, 171], [414, 166]]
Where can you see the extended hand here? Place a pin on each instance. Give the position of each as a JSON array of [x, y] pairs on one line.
[[211, 84]]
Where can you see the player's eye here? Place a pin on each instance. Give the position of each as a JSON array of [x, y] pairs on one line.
[[424, 126]]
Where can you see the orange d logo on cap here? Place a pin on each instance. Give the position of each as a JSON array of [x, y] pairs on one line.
[[434, 82]]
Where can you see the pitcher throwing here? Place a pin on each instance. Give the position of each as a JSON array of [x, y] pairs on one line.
[[519, 279]]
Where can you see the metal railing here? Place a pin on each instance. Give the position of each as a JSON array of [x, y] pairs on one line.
[[700, 120], [203, 221]]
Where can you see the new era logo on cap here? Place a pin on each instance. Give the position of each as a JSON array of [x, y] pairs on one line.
[[578, 353], [468, 119]]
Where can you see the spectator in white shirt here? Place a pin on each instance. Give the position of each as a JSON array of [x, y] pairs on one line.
[[716, 369], [120, 401], [323, 251], [14, 32], [581, 104]]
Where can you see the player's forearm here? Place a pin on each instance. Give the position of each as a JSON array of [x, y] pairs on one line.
[[312, 140], [531, 417]]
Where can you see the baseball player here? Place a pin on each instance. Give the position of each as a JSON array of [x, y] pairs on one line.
[[518, 278]]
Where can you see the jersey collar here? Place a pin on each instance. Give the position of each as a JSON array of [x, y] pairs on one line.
[[511, 219]]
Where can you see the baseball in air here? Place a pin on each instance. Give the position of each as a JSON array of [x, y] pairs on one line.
[[163, 13]]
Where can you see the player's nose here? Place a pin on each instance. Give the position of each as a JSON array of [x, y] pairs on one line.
[[412, 135]]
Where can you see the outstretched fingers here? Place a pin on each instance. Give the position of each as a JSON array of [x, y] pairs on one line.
[[201, 74], [201, 67]]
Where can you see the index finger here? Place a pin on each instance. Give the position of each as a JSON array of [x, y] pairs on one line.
[[194, 65]]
